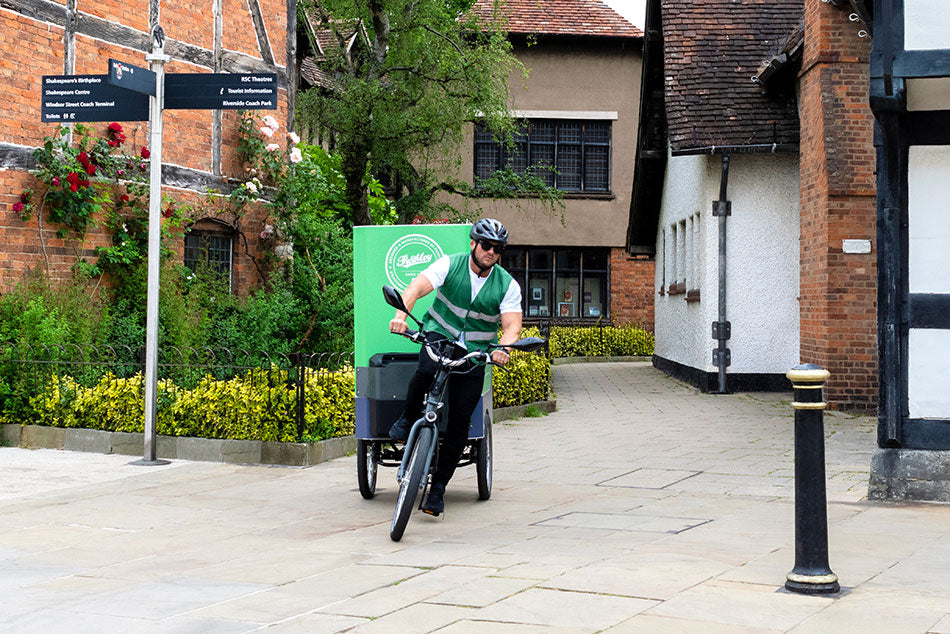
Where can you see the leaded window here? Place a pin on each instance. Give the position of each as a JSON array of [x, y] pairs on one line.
[[579, 150]]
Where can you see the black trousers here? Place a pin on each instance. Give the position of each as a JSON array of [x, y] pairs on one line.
[[464, 391]]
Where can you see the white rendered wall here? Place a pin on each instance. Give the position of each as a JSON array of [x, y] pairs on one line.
[[926, 24], [762, 263], [928, 211]]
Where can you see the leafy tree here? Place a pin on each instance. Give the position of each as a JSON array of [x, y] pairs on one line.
[[416, 73]]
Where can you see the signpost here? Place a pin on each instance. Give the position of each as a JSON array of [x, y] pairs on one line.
[[136, 78], [133, 93], [221, 91], [80, 98]]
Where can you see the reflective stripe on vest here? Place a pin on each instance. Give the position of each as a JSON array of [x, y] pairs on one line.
[[479, 322]]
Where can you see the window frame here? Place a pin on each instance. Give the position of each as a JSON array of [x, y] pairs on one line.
[[525, 144], [551, 273], [205, 235]]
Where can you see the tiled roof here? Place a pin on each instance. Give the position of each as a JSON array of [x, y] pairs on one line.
[[328, 33], [558, 17], [712, 49], [315, 76]]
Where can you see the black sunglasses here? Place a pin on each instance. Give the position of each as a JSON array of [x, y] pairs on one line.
[[492, 246]]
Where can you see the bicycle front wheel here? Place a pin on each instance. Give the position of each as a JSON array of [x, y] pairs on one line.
[[411, 482]]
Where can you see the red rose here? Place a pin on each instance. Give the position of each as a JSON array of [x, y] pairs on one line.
[[124, 198], [115, 127], [112, 143], [73, 178], [73, 187], [84, 183], [83, 159], [18, 207], [145, 152], [168, 212], [142, 166], [90, 169], [23, 197], [56, 180]]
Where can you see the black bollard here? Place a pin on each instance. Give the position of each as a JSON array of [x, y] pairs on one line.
[[811, 574]]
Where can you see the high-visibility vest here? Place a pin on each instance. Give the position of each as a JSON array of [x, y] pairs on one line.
[[453, 312]]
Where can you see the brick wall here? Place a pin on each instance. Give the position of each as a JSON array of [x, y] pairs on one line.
[[38, 49], [631, 289], [838, 290]]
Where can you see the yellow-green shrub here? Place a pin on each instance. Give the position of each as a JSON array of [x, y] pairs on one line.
[[526, 378], [607, 341], [256, 406], [330, 408]]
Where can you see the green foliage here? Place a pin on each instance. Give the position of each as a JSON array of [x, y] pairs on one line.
[[128, 222], [597, 341], [533, 411], [405, 96], [526, 378], [37, 313], [323, 283], [314, 189], [258, 405], [75, 175]]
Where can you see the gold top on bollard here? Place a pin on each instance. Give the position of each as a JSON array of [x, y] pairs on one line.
[[808, 373]]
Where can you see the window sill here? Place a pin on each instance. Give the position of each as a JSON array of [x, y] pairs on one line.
[[566, 196]]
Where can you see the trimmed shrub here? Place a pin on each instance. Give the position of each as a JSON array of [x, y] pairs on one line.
[[256, 406], [526, 379], [597, 341]]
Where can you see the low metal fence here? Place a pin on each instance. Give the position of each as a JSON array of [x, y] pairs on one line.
[[26, 371]]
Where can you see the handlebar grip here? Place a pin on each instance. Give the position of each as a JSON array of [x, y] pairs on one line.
[[413, 335]]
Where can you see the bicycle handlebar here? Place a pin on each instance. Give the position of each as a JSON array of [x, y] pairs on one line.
[[418, 336]]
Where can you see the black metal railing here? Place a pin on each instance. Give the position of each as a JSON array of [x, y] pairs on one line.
[[283, 383]]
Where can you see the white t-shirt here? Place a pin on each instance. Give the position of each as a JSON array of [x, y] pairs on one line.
[[439, 270]]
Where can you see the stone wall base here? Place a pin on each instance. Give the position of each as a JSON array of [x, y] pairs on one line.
[[181, 448], [910, 474]]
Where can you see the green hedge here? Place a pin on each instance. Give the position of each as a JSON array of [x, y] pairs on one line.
[[525, 379], [238, 408], [596, 341], [253, 406]]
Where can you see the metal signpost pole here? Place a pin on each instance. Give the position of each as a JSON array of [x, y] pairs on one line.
[[157, 59]]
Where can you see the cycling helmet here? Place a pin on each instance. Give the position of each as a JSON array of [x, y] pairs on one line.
[[489, 229]]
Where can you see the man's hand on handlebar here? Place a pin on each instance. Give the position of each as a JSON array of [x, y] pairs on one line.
[[398, 324], [500, 356]]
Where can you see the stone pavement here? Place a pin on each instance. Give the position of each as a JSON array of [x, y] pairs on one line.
[[640, 506]]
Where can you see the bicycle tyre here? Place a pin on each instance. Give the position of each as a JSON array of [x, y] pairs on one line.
[[366, 467], [411, 483], [483, 463]]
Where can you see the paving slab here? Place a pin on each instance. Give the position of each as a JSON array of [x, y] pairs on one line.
[[641, 505], [558, 608]]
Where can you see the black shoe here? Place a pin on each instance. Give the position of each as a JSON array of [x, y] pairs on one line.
[[400, 429], [434, 503]]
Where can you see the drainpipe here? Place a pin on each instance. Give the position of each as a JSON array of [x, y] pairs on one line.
[[722, 329]]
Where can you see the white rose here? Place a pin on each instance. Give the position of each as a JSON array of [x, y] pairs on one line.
[[295, 155], [268, 132], [270, 122], [273, 147], [251, 187], [293, 138]]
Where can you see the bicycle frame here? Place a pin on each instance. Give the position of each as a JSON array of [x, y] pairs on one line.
[[434, 403]]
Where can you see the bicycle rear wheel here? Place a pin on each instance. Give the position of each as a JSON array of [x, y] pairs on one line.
[[411, 482], [366, 466]]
